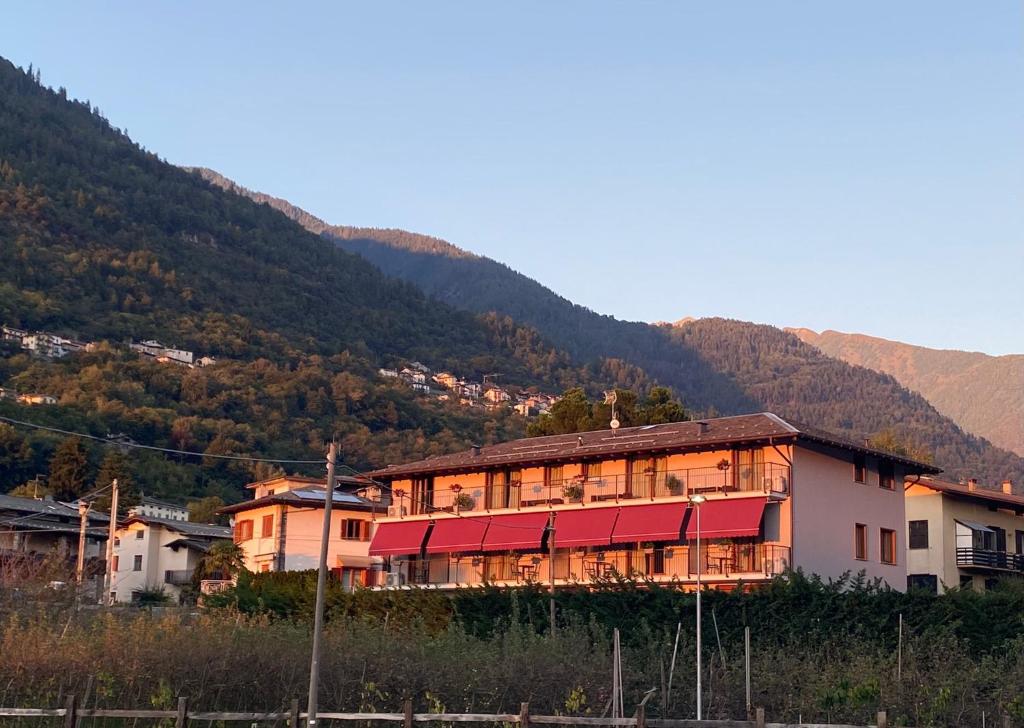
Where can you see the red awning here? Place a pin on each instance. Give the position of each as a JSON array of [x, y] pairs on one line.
[[654, 522], [727, 518], [457, 535], [584, 527], [516, 532], [399, 538]]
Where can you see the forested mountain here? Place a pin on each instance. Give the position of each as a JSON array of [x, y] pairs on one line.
[[983, 394], [716, 365], [105, 241]]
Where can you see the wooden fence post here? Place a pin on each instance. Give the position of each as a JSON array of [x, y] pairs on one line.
[[524, 715], [70, 712], [293, 721], [641, 716], [759, 717], [181, 719], [407, 712], [883, 719]]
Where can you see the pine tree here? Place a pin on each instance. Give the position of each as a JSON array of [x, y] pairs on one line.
[[68, 468], [115, 465]]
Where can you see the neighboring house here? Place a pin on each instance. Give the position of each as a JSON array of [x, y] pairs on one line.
[[35, 398], [446, 380], [497, 395], [162, 353], [388, 373], [413, 376], [159, 553], [206, 361], [41, 528], [471, 390], [158, 509], [280, 528], [419, 366], [777, 495], [959, 534]]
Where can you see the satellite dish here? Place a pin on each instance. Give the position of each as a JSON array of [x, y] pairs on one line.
[[614, 424]]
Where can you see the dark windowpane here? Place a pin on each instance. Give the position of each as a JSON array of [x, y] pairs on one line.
[[919, 534]]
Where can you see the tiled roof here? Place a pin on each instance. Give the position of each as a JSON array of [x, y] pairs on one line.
[[988, 495], [674, 436], [312, 497], [47, 507], [207, 530]]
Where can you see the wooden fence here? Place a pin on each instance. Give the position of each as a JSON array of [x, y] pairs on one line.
[[181, 716]]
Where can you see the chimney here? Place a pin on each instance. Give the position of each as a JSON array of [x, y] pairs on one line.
[[972, 484], [703, 427], [476, 450], [1008, 486]]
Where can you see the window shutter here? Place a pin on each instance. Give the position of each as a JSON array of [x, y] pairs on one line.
[[365, 531]]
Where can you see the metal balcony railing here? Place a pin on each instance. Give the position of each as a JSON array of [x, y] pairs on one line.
[[650, 485], [179, 577], [669, 563], [989, 559]]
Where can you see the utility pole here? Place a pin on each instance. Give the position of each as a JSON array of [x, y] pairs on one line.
[[695, 502], [83, 514], [321, 588], [108, 582], [551, 568]]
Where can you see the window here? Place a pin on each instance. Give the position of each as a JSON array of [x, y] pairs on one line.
[[115, 563], [886, 476], [923, 582], [353, 529], [860, 469], [243, 531], [140, 534], [117, 542], [268, 526], [918, 534], [966, 582], [1020, 542], [887, 545], [656, 561], [553, 476], [592, 470], [998, 538], [137, 564], [264, 568], [860, 542]]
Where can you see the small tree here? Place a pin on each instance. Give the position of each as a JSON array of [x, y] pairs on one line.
[[224, 560]]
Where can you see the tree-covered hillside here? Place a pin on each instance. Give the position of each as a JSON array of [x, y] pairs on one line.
[[715, 365], [104, 241]]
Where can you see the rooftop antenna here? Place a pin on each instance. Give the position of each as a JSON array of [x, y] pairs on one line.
[[611, 397]]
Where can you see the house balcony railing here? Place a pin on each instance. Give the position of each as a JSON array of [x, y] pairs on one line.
[[767, 478], [178, 577], [719, 562], [989, 559]]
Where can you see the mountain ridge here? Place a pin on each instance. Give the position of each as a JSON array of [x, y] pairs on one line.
[[716, 365], [983, 393]]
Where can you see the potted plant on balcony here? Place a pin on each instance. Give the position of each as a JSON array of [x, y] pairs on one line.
[[463, 501], [573, 491], [674, 484]]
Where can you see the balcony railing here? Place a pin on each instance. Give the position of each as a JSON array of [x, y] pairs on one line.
[[179, 577], [761, 478], [989, 559], [672, 563]]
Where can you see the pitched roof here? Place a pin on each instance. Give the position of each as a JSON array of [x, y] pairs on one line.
[[202, 530], [674, 436], [48, 507], [343, 481], [986, 495], [311, 497]]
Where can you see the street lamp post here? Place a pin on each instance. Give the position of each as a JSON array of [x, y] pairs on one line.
[[695, 502]]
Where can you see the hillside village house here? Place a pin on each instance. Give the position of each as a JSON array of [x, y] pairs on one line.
[[159, 553], [280, 528], [148, 506], [959, 534], [624, 502]]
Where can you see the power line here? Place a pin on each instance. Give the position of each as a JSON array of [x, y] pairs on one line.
[[168, 450]]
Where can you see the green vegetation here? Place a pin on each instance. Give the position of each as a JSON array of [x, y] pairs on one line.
[[574, 412], [820, 652]]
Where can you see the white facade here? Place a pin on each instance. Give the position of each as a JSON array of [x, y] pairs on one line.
[[159, 509]]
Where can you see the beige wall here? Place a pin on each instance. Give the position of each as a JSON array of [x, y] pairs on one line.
[[826, 505], [942, 511], [156, 559]]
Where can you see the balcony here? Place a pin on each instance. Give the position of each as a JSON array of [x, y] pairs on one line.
[[988, 559], [178, 577], [767, 478], [720, 562]]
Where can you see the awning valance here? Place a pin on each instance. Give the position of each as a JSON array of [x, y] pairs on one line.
[[458, 534], [653, 522], [974, 526], [726, 518], [398, 538], [515, 532]]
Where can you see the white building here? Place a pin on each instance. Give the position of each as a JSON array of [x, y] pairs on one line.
[[158, 509], [157, 350], [158, 553]]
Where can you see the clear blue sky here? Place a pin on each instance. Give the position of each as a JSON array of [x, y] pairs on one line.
[[849, 165]]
